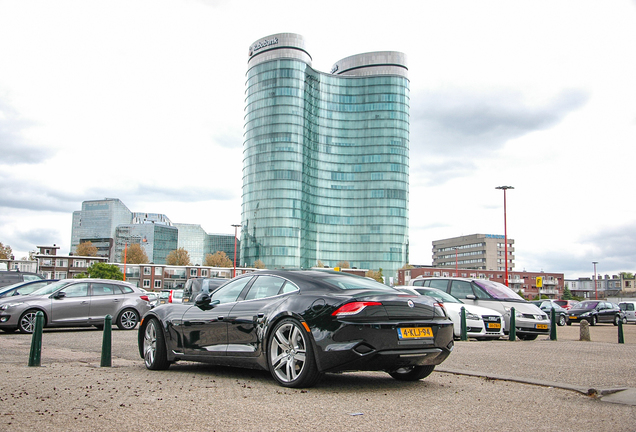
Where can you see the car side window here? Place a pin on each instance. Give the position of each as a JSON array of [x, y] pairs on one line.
[[265, 286], [230, 292], [418, 283], [461, 289], [100, 289], [439, 283], [76, 290]]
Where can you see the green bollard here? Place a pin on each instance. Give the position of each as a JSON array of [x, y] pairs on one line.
[[621, 339], [35, 354], [553, 325], [464, 330], [512, 334], [106, 342]]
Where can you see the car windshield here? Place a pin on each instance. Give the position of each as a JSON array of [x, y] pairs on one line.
[[439, 295], [497, 290], [587, 305], [51, 288], [347, 282], [4, 289]]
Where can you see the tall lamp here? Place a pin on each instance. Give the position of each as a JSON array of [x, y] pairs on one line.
[[505, 188], [235, 228]]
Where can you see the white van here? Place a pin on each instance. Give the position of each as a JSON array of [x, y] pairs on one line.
[[629, 307]]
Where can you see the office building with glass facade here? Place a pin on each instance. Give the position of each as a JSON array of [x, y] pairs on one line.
[[326, 158]]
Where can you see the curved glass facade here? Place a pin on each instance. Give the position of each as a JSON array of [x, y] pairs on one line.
[[325, 169]]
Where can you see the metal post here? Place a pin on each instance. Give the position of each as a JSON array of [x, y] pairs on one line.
[[512, 335], [35, 354], [595, 288], [107, 342], [505, 188], [553, 324], [621, 338], [464, 330], [235, 227]]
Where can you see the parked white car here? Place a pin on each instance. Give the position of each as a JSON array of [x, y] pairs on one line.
[[481, 323], [629, 307]]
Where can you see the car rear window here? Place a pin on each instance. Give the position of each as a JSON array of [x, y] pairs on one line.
[[497, 290]]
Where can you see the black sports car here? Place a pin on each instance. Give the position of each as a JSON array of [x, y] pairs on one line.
[[299, 324]]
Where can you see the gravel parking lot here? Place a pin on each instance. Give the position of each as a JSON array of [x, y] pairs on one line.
[[71, 392]]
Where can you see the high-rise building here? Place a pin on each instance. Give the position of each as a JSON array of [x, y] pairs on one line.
[[326, 156], [475, 251]]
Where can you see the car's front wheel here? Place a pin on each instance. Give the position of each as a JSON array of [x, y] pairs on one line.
[[562, 320], [128, 319], [155, 351], [291, 357], [26, 324], [593, 320], [412, 373]]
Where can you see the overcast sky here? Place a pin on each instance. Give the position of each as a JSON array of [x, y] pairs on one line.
[[143, 101]]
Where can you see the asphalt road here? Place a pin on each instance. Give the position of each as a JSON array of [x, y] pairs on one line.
[[71, 392]]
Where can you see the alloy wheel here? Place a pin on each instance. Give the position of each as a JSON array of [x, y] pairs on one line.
[[27, 322], [288, 351], [128, 320], [150, 344]]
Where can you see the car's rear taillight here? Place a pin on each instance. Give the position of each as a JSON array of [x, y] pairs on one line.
[[353, 308], [170, 297], [144, 297]]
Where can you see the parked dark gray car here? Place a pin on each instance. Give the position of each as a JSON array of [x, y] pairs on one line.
[[76, 303]]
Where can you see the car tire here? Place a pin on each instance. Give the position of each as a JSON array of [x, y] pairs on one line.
[[9, 330], [154, 346], [617, 319], [528, 337], [593, 320], [127, 319], [26, 323], [290, 356], [412, 373], [562, 320]]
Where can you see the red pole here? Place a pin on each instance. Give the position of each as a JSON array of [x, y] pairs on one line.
[[504, 188], [125, 256], [595, 287], [456, 270], [235, 227]]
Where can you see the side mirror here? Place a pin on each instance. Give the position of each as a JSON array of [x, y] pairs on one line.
[[471, 297], [203, 302], [59, 295]]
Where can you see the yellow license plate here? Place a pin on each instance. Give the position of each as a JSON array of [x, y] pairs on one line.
[[572, 317], [542, 326], [494, 325], [415, 332]]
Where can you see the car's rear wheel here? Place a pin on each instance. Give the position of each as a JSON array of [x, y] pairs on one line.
[[412, 373], [26, 324], [291, 357], [155, 352], [128, 319], [562, 320]]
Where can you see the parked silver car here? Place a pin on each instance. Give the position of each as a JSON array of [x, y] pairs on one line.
[[76, 302]]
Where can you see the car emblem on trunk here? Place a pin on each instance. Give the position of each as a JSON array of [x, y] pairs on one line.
[[410, 303]]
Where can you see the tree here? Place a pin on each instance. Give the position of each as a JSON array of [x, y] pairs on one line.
[[178, 257], [102, 271], [407, 266], [627, 275], [259, 264], [135, 255], [344, 265], [5, 251], [86, 249], [567, 294], [320, 264], [218, 259], [377, 275]]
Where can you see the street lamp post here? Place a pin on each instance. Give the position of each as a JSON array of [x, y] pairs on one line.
[[505, 188], [595, 288], [235, 228], [456, 267]]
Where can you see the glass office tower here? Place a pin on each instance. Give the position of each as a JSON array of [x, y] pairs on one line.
[[325, 169]]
